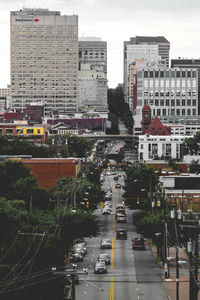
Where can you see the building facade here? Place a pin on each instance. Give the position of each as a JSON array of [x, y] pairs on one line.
[[159, 147], [147, 46], [92, 84], [4, 98], [44, 59], [169, 92], [191, 64]]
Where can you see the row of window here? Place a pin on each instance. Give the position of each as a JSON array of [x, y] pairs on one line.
[[174, 112], [177, 74], [172, 102]]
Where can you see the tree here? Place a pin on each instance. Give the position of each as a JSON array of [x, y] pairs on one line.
[[192, 145], [119, 107], [140, 184]]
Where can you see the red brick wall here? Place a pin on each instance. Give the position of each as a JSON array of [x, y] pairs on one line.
[[48, 171]]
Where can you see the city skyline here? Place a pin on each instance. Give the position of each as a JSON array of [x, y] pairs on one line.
[[116, 22]]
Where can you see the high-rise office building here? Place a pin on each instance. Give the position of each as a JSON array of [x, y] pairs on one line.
[[92, 86], [155, 50], [44, 60], [168, 92], [188, 64]]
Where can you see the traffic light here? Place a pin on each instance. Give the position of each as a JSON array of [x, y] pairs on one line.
[[158, 203], [138, 200], [87, 204]]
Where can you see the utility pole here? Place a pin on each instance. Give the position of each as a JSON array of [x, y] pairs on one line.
[[165, 237], [72, 273], [193, 267]]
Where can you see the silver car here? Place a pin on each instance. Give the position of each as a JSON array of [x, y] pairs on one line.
[[100, 267]]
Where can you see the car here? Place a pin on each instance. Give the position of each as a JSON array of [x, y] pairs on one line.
[[100, 267], [118, 186], [76, 257], [106, 244], [138, 243], [80, 248], [106, 211], [105, 258], [121, 234], [121, 211], [107, 203], [80, 240], [121, 218], [120, 206]]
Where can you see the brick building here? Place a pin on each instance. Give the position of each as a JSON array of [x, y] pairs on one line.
[[48, 171]]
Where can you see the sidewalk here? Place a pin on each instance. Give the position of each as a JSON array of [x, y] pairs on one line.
[[170, 283]]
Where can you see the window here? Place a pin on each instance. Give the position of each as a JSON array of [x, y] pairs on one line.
[[194, 102], [172, 102], [188, 102], [29, 131], [183, 102], [9, 131], [194, 112], [167, 102]]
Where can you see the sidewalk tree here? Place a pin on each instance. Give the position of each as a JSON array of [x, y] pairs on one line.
[[140, 183]]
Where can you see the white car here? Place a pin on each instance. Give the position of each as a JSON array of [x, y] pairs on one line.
[[106, 211]]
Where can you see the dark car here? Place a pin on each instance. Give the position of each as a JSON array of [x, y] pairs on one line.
[[138, 243], [106, 244], [76, 257], [121, 234], [118, 186], [100, 267], [104, 257]]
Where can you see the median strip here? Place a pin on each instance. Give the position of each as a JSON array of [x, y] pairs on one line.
[[112, 254], [111, 288]]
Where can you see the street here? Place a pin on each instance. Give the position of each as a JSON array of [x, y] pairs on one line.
[[132, 274]]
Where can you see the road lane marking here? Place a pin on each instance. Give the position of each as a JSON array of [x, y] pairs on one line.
[[111, 288], [114, 208], [112, 254]]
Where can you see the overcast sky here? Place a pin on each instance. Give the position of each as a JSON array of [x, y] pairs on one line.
[[116, 21]]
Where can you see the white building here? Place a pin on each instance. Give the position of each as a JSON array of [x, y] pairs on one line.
[[159, 147], [44, 59], [92, 88], [92, 85], [169, 92]]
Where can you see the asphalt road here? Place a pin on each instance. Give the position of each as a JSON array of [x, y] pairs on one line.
[[132, 275]]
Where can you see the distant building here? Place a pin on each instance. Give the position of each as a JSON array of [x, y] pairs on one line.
[[154, 49], [188, 64], [159, 147], [4, 98], [44, 60], [169, 93], [36, 134], [182, 191], [48, 171], [92, 88], [154, 127], [92, 83]]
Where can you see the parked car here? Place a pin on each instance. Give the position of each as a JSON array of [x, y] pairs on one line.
[[121, 234], [76, 257], [121, 218], [138, 243], [106, 244], [80, 248], [105, 258], [100, 267]]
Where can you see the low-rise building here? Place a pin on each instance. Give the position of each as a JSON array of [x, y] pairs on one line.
[[182, 191], [48, 170], [160, 147]]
